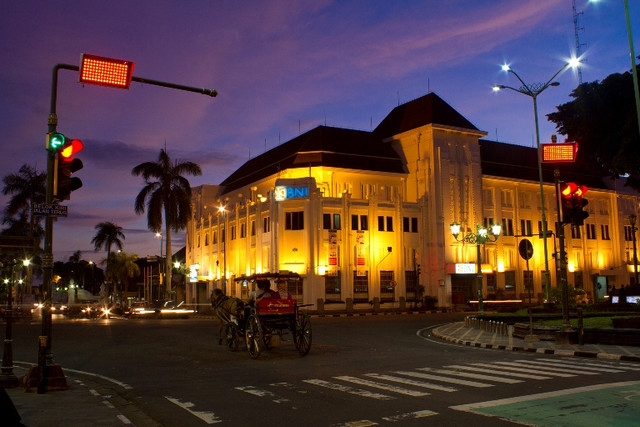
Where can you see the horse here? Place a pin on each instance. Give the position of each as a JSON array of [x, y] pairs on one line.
[[227, 310]]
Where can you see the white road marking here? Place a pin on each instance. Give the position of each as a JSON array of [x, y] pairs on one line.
[[124, 419], [444, 379], [382, 386], [410, 415], [412, 382], [572, 367], [469, 407], [262, 393], [474, 376], [350, 390], [206, 416], [501, 366], [493, 371]]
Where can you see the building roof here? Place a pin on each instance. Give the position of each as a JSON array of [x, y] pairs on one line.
[[322, 146], [518, 162], [428, 109]]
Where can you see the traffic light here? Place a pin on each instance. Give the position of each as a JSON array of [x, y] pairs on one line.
[[55, 141], [65, 166], [566, 193], [579, 203], [573, 203]]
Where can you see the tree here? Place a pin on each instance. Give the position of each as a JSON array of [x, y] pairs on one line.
[[107, 235], [602, 120], [166, 191], [27, 187], [122, 268]]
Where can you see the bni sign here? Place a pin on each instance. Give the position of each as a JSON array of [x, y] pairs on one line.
[[283, 192], [465, 268]]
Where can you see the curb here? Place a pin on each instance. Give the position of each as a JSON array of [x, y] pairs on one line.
[[574, 353]]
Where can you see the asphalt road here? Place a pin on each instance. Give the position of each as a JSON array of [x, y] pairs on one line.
[[369, 370]]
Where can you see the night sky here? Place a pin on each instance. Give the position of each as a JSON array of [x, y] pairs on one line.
[[281, 67]]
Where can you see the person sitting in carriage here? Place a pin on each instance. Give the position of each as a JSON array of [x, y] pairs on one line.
[[282, 291], [262, 292]]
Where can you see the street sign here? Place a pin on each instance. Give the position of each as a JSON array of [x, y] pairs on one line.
[[526, 249], [49, 209]]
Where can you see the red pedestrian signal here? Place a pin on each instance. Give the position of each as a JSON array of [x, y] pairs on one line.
[[104, 71]]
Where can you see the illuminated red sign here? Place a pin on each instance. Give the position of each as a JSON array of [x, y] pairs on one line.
[[560, 152], [105, 71]]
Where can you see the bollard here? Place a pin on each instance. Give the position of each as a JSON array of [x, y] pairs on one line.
[[580, 327], [42, 357]]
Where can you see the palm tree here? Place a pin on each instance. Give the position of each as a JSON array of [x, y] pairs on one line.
[[108, 234], [166, 191], [123, 268], [27, 187]]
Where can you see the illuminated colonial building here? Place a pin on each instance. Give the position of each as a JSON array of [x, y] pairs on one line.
[[364, 217]]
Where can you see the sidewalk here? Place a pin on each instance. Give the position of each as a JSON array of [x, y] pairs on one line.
[[89, 401], [460, 334]]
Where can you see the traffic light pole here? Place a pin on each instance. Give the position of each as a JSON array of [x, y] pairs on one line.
[[561, 260], [47, 375]]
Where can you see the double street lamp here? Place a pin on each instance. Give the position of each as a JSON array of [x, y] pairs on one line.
[[533, 90], [632, 220], [223, 237], [479, 238]]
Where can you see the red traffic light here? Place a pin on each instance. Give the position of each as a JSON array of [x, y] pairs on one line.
[[105, 71], [580, 191], [70, 149], [568, 189], [573, 203]]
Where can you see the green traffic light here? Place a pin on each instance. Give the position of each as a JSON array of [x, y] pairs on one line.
[[56, 141]]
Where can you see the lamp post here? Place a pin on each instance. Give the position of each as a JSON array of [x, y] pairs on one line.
[[632, 221], [480, 237], [533, 90], [7, 377], [223, 237]]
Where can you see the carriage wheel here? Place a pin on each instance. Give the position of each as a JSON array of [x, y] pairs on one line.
[[253, 336], [232, 337], [302, 333]]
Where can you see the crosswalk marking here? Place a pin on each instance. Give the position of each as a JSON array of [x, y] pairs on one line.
[[472, 375], [262, 393], [550, 370], [410, 415], [605, 366], [508, 366], [346, 389], [382, 386], [492, 370], [574, 367], [444, 379], [479, 375], [412, 382]]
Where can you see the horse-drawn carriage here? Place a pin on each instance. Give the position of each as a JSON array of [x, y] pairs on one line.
[[266, 322]]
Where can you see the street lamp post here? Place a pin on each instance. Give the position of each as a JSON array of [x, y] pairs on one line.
[[632, 221], [480, 237], [533, 90], [7, 377], [223, 237]]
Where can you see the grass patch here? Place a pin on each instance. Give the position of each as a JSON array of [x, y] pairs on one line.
[[587, 322]]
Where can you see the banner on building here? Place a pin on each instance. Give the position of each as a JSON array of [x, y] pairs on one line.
[[361, 269], [333, 247]]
